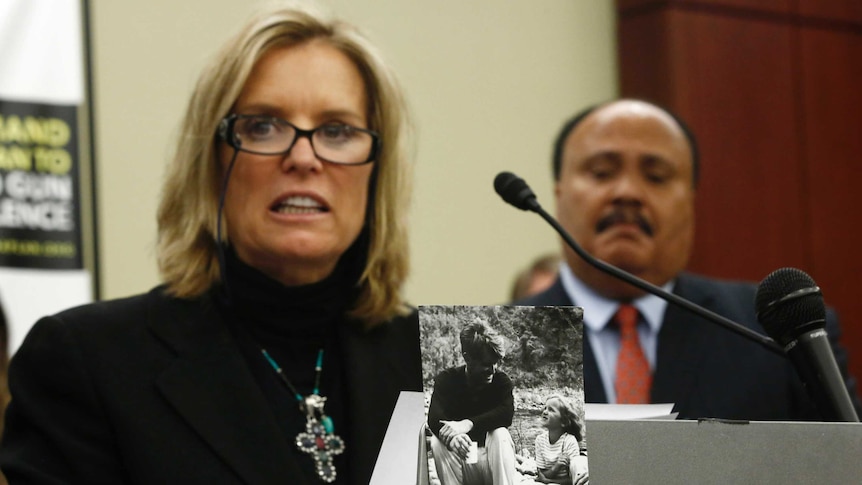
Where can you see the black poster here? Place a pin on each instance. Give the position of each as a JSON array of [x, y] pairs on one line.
[[40, 220]]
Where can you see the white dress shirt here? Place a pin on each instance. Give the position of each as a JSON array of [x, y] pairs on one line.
[[605, 339]]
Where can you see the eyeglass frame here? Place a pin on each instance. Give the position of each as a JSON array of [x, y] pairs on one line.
[[226, 125]]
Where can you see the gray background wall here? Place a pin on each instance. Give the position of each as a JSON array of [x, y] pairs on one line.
[[489, 83]]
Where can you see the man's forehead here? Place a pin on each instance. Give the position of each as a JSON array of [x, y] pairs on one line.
[[629, 115], [482, 354], [637, 124], [632, 108]]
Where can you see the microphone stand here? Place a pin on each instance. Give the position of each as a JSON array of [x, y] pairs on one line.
[[534, 206], [811, 353]]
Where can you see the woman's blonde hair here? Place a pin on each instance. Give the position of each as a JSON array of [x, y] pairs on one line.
[[187, 214]]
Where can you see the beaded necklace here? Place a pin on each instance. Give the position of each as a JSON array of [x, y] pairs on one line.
[[319, 439]]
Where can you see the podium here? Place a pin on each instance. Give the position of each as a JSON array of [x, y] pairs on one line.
[[666, 451], [721, 452]]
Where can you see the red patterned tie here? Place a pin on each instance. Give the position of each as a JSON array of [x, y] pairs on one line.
[[633, 375]]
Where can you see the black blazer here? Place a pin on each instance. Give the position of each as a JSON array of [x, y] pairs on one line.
[[153, 389], [708, 371]]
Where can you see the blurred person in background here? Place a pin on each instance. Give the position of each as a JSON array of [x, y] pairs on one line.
[[4, 365], [538, 277], [626, 174], [4, 370]]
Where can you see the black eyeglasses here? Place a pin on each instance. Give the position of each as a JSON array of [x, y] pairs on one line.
[[267, 135]]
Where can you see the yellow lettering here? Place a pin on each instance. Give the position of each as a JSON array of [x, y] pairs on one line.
[[58, 249], [58, 132], [13, 131], [52, 160], [20, 248], [15, 158], [34, 131]]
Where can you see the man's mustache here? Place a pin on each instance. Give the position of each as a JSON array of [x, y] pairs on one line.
[[624, 216]]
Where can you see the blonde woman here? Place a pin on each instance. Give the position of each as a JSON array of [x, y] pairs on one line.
[[279, 342]]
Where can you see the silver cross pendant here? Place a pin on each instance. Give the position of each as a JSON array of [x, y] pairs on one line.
[[319, 439]]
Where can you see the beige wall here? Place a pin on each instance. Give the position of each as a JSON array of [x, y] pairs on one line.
[[489, 83]]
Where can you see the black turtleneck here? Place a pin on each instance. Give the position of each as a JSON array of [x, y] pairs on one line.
[[293, 324]]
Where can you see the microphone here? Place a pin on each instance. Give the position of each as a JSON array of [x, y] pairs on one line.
[[515, 191], [790, 307]]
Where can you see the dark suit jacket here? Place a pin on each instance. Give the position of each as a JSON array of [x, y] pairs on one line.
[[152, 389], [708, 371]]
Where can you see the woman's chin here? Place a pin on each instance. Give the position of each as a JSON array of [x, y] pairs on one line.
[[294, 267]]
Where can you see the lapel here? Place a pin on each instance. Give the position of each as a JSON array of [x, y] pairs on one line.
[[682, 345], [594, 391], [376, 373], [211, 388]]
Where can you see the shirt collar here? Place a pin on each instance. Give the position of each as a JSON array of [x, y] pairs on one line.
[[599, 310]]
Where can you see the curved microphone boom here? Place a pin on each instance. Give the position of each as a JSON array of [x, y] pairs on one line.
[[790, 307], [515, 191]]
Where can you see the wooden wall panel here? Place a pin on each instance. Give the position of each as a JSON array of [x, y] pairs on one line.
[[841, 10], [775, 100], [644, 50], [736, 90], [832, 103], [731, 80], [774, 6]]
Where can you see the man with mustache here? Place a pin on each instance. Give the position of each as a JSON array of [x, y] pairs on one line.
[[625, 175]]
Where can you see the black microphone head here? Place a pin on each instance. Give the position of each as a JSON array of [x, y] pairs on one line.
[[789, 303], [514, 190]]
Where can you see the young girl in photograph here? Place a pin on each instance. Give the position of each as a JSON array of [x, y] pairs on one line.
[[557, 445]]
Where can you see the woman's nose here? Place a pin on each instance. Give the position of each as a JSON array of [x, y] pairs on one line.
[[301, 157]]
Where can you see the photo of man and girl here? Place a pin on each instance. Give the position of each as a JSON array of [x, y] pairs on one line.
[[504, 395]]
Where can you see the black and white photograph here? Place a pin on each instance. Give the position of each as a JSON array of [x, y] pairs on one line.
[[504, 394]]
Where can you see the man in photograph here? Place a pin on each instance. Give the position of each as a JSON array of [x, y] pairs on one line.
[[471, 408]]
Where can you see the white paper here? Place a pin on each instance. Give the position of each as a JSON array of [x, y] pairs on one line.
[[398, 462], [621, 412]]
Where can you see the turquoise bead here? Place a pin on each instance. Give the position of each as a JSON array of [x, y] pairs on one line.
[[327, 424]]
